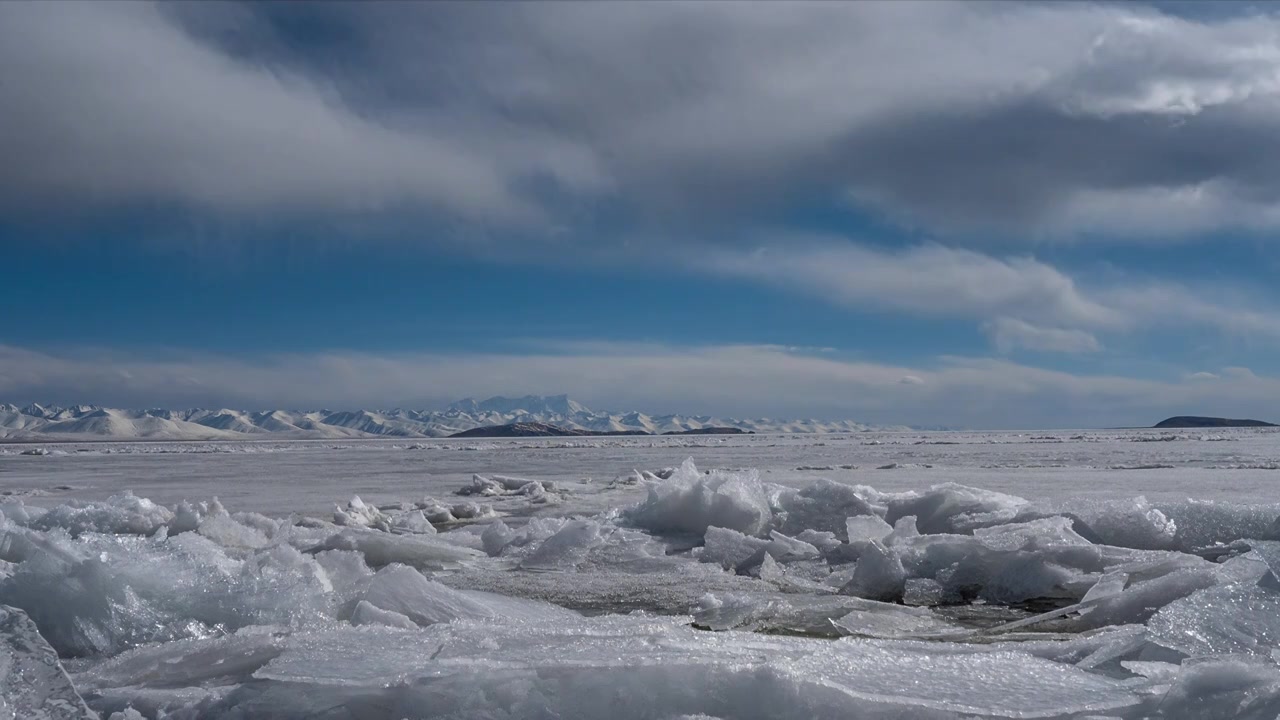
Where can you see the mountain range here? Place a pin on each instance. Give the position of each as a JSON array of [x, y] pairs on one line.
[[90, 422]]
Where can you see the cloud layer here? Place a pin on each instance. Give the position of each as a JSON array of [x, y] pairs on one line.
[[1029, 119], [723, 380], [1020, 302]]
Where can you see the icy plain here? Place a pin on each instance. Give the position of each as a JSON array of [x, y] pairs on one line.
[[1122, 574]]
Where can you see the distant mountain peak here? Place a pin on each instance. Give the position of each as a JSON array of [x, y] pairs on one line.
[[88, 422], [529, 404], [35, 410]]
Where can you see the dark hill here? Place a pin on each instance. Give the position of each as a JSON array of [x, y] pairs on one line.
[[534, 429], [537, 429], [1194, 421]]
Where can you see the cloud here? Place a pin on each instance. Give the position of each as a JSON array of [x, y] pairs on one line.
[[1018, 301], [111, 104], [1025, 118], [1009, 334], [928, 280], [1157, 304], [735, 380]]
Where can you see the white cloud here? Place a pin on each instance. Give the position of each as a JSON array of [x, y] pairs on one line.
[[927, 280], [1009, 334], [1026, 117], [1157, 304], [1019, 302], [110, 103], [727, 380]]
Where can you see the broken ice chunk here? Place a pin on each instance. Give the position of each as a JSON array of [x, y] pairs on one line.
[[419, 551], [1225, 689], [414, 521], [1132, 523], [879, 575], [954, 508], [1030, 535], [1201, 523], [887, 620], [470, 511], [503, 485], [867, 527], [1234, 618], [690, 502], [195, 661], [495, 537], [403, 590], [567, 548], [732, 549], [32, 682], [435, 511], [358, 513], [119, 514], [824, 505], [366, 613], [729, 548]]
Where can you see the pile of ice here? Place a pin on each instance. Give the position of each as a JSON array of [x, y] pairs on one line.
[[717, 595], [538, 491]]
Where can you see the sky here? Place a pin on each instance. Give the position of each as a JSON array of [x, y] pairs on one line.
[[986, 215]]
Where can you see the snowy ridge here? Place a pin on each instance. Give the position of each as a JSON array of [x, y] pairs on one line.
[[37, 422]]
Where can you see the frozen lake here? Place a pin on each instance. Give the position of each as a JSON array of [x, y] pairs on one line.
[[880, 575], [310, 476]]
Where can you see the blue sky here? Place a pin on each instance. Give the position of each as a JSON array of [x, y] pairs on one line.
[[1060, 214]]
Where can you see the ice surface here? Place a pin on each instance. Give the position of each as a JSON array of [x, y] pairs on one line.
[[755, 594], [659, 668]]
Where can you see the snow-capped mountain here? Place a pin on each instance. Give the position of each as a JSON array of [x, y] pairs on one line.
[[88, 422]]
